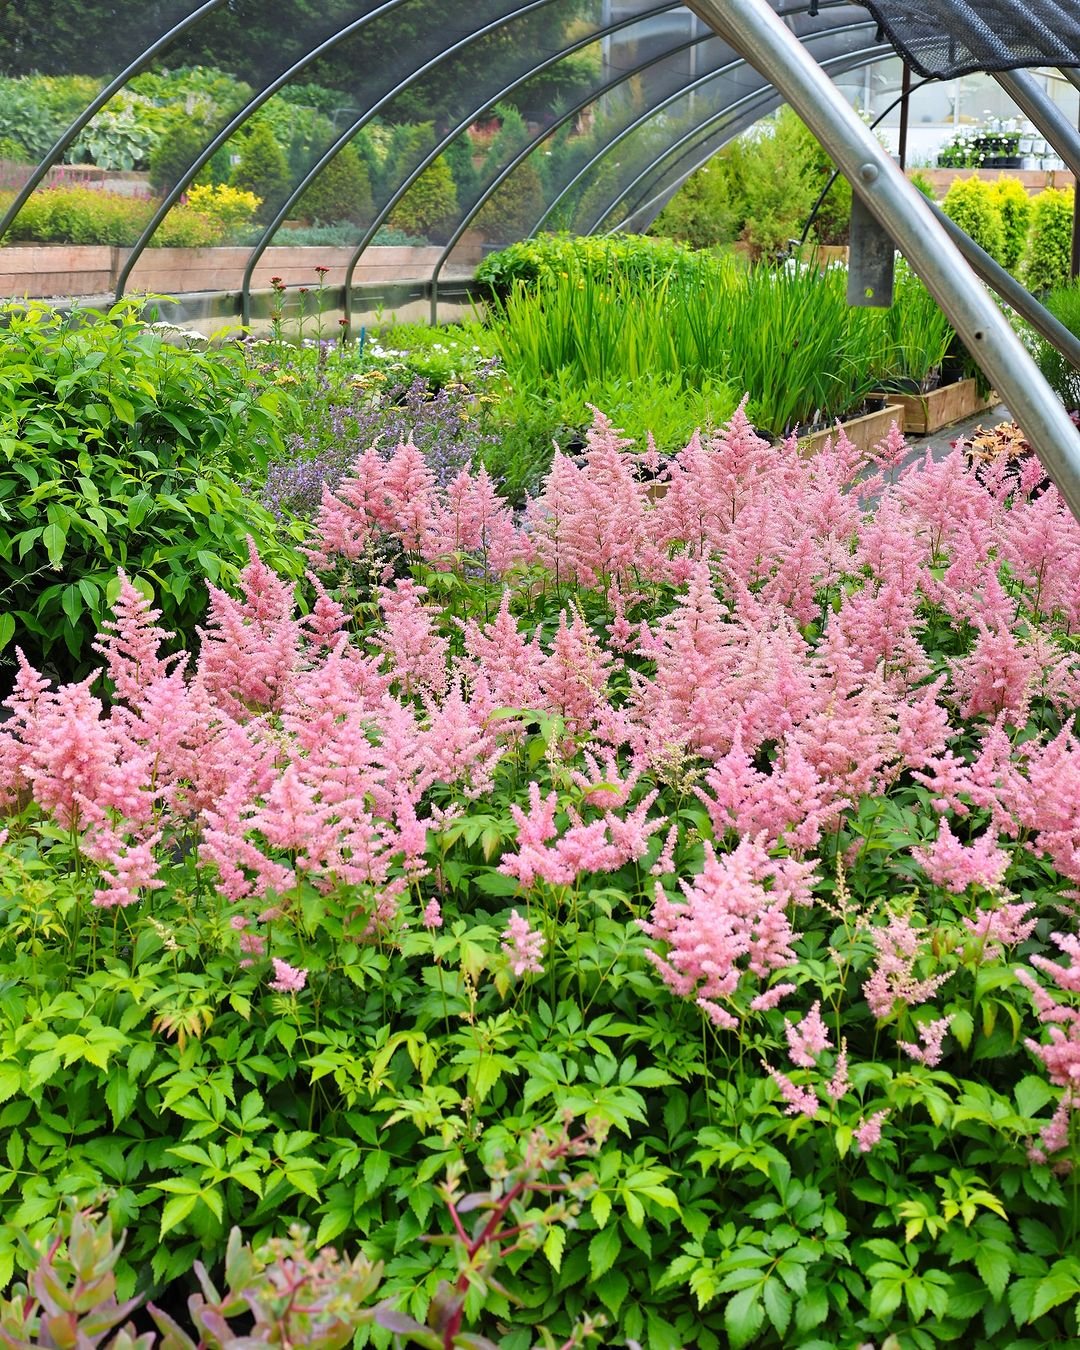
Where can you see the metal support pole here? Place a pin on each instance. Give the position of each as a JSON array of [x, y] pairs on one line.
[[905, 100], [1074, 260], [752, 28], [1022, 87]]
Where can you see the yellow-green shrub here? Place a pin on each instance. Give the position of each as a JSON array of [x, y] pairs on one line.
[[229, 206], [1011, 198], [80, 215]]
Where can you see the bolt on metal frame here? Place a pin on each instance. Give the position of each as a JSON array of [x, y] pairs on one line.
[[754, 29]]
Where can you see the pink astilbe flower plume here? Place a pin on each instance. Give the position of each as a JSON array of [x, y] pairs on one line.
[[523, 945], [957, 866]]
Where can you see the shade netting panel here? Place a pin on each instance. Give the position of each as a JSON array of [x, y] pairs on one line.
[[946, 38]]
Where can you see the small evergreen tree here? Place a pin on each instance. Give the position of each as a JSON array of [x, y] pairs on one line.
[[1015, 206], [341, 192], [180, 145], [972, 204], [263, 169], [1050, 240]]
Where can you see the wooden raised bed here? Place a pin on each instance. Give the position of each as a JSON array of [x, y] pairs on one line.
[[924, 413], [863, 432]]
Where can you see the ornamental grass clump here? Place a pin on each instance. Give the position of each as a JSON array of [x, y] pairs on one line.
[[738, 820]]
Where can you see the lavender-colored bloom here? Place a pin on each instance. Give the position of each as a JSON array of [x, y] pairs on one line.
[[446, 427]]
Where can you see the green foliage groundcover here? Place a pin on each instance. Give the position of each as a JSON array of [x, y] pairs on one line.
[[118, 449]]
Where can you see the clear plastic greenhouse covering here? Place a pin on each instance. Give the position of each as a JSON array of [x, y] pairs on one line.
[[948, 38], [589, 113]]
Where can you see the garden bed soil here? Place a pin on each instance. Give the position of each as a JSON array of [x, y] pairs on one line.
[[941, 407]]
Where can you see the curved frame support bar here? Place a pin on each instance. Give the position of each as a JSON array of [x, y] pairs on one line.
[[659, 107], [367, 116], [752, 28], [235, 122], [387, 208], [527, 149], [91, 110], [767, 94]]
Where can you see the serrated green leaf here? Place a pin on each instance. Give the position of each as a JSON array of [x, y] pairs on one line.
[[554, 1244], [604, 1249], [744, 1315]]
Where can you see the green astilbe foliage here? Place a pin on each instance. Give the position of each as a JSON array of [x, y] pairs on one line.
[[119, 450], [973, 205], [1063, 302], [1050, 240], [263, 169], [1015, 206]]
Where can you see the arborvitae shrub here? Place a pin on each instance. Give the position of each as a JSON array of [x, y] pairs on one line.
[[263, 169], [972, 204], [1015, 206], [1049, 240], [341, 192]]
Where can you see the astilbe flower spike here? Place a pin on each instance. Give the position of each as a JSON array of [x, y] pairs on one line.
[[523, 945]]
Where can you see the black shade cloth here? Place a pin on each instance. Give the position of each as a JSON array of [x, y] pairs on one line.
[[945, 38]]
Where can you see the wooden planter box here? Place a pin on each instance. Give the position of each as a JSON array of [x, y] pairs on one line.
[[924, 413], [863, 432]]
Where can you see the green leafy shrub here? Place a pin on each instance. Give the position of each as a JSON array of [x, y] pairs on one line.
[[704, 211], [761, 189], [1049, 251], [179, 146], [430, 206], [230, 207], [973, 205], [342, 191], [1012, 200], [1063, 302], [119, 450], [78, 215], [922, 183], [514, 208], [263, 169], [543, 259]]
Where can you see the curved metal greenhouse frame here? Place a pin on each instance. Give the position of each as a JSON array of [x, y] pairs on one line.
[[664, 85]]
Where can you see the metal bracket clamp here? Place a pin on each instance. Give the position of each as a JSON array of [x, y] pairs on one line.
[[753, 29]]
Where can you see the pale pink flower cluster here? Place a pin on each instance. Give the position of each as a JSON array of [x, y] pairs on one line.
[[732, 922], [809, 1039], [287, 979], [956, 866], [868, 1132], [602, 845], [1004, 926], [523, 945], [893, 978], [932, 1036], [1061, 1054]]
